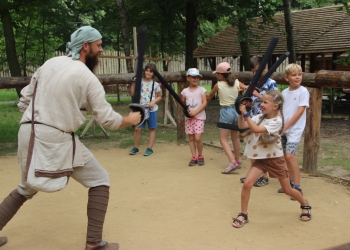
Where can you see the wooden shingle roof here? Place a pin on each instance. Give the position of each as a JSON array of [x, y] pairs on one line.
[[315, 30]]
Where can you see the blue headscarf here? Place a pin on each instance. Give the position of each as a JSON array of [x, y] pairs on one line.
[[81, 35]]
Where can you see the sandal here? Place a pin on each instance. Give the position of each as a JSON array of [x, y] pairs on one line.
[[231, 167], [308, 214], [241, 223]]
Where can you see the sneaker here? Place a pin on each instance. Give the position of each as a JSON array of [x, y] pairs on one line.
[[242, 179], [193, 162], [134, 151], [200, 160], [231, 167], [299, 189], [262, 181], [148, 152]]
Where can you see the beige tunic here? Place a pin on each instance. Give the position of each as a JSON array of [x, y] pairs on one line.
[[66, 88]]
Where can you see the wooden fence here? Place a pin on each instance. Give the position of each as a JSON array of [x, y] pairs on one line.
[[114, 62]]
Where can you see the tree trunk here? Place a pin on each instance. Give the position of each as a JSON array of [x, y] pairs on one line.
[[244, 42], [191, 35], [125, 34], [312, 132], [289, 30], [10, 43]]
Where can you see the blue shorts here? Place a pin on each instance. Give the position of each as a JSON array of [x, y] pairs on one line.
[[228, 114], [151, 121]]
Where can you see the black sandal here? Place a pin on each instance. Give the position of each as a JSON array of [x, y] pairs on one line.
[[241, 223], [308, 214]]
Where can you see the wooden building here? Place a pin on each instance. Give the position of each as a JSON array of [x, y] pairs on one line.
[[320, 35]]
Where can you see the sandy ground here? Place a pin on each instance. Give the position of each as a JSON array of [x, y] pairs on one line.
[[158, 202]]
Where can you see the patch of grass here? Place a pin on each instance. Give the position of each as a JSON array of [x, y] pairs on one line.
[[127, 143], [8, 95], [9, 123], [334, 154]]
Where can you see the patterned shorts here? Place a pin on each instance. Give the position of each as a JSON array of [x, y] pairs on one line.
[[194, 126], [289, 147]]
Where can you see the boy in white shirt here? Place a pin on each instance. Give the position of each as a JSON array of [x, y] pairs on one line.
[[296, 100]]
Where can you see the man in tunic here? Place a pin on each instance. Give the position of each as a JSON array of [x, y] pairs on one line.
[[66, 89]]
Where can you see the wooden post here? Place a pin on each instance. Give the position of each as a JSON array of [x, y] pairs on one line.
[[303, 66], [312, 132], [165, 106], [181, 135]]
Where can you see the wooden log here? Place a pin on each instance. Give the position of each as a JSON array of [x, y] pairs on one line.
[[181, 135], [312, 132], [332, 79], [324, 79]]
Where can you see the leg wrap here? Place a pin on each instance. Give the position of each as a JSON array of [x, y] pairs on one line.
[[96, 211], [10, 206]]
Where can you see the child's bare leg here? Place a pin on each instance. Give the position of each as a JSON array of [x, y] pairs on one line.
[[191, 138], [235, 143], [152, 137], [252, 175], [199, 143], [288, 190], [225, 146], [293, 167], [137, 137]]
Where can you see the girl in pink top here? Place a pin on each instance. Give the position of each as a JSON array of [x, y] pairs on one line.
[[195, 97]]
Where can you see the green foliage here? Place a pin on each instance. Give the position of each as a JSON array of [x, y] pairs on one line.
[[43, 27]]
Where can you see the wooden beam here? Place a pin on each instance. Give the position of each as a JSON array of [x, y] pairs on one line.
[[312, 132], [324, 78]]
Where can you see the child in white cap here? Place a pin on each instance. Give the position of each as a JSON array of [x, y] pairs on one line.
[[195, 97]]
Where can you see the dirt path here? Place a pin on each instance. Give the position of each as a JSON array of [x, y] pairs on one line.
[[158, 202]]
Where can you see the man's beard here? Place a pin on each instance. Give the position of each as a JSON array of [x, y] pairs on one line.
[[91, 61]]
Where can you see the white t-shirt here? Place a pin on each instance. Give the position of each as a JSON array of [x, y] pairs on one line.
[[194, 100], [292, 101], [146, 89], [255, 149]]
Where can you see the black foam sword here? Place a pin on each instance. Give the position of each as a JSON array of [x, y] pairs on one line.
[[135, 105], [173, 93]]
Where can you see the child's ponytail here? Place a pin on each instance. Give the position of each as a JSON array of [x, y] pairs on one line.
[[229, 79]]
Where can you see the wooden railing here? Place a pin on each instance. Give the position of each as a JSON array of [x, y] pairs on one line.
[[316, 81]]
